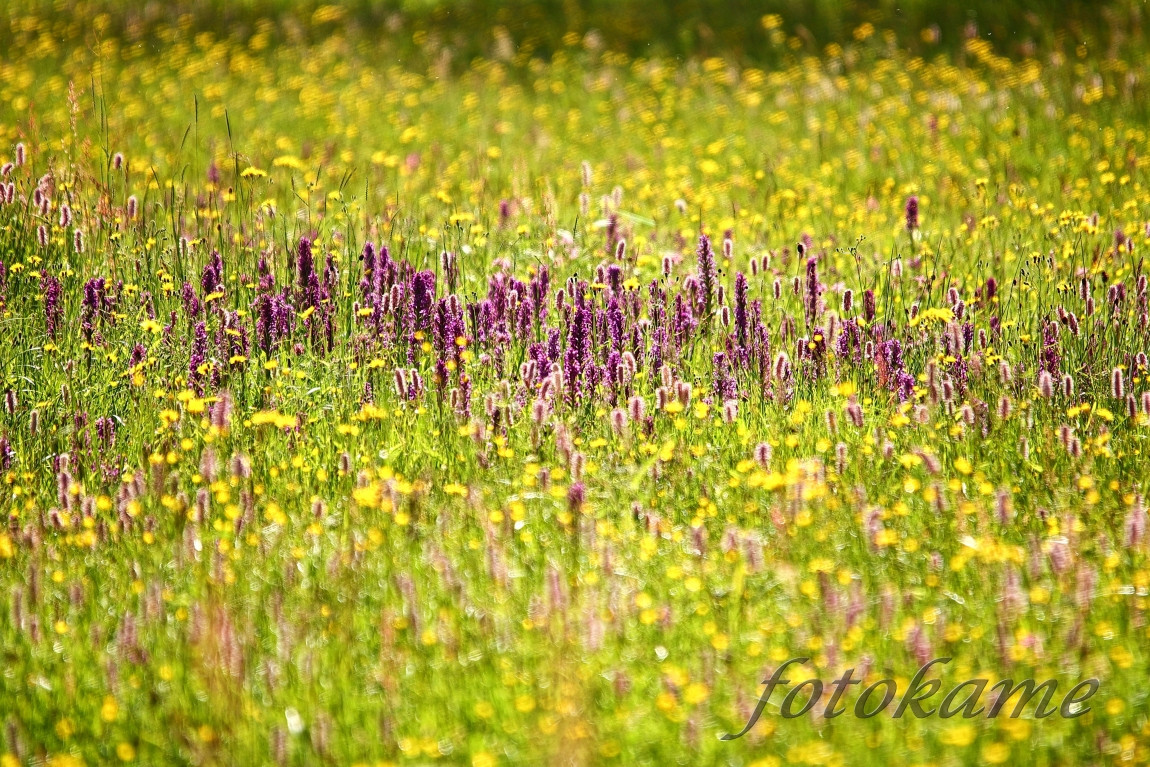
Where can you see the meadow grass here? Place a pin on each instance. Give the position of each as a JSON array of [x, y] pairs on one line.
[[530, 410]]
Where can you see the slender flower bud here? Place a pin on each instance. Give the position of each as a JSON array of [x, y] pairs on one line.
[[911, 213], [539, 412], [661, 398], [708, 279], [636, 408], [1003, 507], [763, 455], [683, 393], [618, 422], [1004, 407], [1135, 524], [966, 412], [841, 455], [576, 495], [855, 414]]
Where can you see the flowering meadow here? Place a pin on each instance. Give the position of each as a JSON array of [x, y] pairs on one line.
[[369, 404]]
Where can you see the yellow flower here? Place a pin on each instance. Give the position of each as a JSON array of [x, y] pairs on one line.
[[367, 496], [274, 514], [1015, 729], [273, 417], [995, 753], [64, 728], [940, 315], [65, 760], [287, 161], [844, 389], [962, 735], [695, 693], [483, 759]]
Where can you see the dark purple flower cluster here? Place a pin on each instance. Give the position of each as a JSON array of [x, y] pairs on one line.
[[723, 384], [583, 343], [106, 431], [911, 213], [98, 306], [53, 308], [192, 305], [1050, 356], [212, 278], [313, 297], [274, 314], [708, 277], [198, 362], [811, 301]]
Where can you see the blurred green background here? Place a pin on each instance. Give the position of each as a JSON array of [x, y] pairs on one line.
[[673, 28]]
